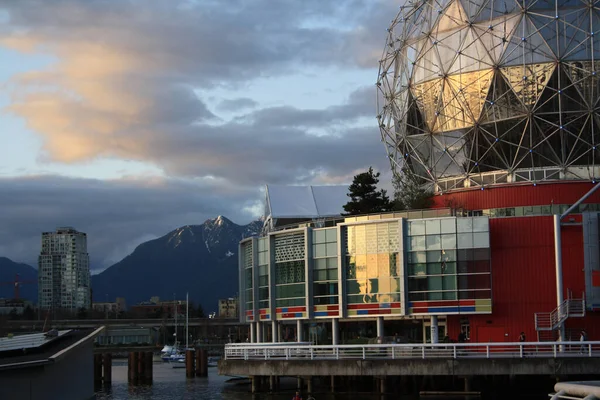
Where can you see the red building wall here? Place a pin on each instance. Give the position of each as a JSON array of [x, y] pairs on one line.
[[523, 266], [517, 195]]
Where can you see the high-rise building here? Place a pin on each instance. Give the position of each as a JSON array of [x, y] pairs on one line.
[[64, 270]]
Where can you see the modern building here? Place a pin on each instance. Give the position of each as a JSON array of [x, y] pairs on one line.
[[64, 271], [228, 308]]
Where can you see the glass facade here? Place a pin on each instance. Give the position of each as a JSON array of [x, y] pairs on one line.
[[325, 272], [448, 265], [246, 250], [432, 266], [372, 262], [263, 279], [290, 275]]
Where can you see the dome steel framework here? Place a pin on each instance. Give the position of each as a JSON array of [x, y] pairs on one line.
[[478, 92]]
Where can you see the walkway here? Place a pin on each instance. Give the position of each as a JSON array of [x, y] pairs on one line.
[[304, 351], [464, 359]]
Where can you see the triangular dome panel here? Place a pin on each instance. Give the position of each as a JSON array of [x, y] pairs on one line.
[[473, 55], [453, 17], [528, 81], [493, 9], [527, 46], [502, 102], [496, 34]]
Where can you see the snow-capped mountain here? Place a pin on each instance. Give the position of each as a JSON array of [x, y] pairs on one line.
[[199, 259]]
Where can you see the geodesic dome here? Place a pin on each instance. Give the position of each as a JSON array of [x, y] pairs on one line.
[[478, 92]]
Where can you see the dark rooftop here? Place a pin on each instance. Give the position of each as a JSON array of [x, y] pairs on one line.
[[18, 358]]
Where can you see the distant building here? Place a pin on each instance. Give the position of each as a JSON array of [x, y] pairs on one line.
[[9, 305], [64, 270], [228, 308], [156, 308], [113, 307]]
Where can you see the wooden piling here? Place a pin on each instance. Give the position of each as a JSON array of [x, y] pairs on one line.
[[97, 369], [141, 357], [189, 363], [107, 368], [148, 367], [132, 367], [203, 362], [198, 355]]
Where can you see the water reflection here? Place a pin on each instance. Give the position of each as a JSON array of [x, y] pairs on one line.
[[171, 384]]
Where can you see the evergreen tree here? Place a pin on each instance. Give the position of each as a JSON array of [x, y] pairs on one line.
[[409, 193], [365, 198]]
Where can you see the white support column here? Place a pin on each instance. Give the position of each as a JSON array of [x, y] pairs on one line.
[[259, 335], [253, 332], [274, 331], [434, 329], [380, 332], [299, 330], [335, 331], [559, 275]]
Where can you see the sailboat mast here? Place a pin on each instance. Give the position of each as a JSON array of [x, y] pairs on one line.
[[176, 312], [187, 308]]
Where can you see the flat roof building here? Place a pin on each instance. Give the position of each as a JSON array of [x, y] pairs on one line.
[[485, 269]]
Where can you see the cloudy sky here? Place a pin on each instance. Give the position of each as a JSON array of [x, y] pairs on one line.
[[129, 118]]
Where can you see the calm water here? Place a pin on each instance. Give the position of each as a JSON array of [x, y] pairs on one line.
[[171, 384]]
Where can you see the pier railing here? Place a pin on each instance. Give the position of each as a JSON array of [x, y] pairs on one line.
[[302, 351]]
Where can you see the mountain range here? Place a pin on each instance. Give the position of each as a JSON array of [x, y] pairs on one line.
[[199, 259]]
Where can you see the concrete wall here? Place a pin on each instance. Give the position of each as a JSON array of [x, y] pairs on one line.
[[412, 367], [71, 378]]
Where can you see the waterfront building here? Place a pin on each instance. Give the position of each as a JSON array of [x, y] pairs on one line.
[[64, 271], [421, 275], [493, 106]]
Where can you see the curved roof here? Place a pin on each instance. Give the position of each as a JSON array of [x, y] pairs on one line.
[[305, 201]]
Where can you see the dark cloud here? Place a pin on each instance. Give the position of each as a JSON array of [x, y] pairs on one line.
[[116, 215]]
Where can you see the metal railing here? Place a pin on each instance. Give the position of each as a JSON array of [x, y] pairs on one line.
[[298, 351], [549, 321]]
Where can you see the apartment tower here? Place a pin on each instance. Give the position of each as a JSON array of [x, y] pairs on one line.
[[64, 270]]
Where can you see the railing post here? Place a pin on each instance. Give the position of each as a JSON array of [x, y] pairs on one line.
[[312, 356], [337, 353], [364, 351], [393, 352], [590, 349], [454, 351], [520, 351], [287, 353], [423, 352], [487, 351], [554, 350]]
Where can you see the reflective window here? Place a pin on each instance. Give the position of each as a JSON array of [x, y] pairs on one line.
[[263, 274], [450, 263], [372, 262], [325, 266]]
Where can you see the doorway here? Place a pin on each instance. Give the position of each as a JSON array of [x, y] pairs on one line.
[[427, 330]]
